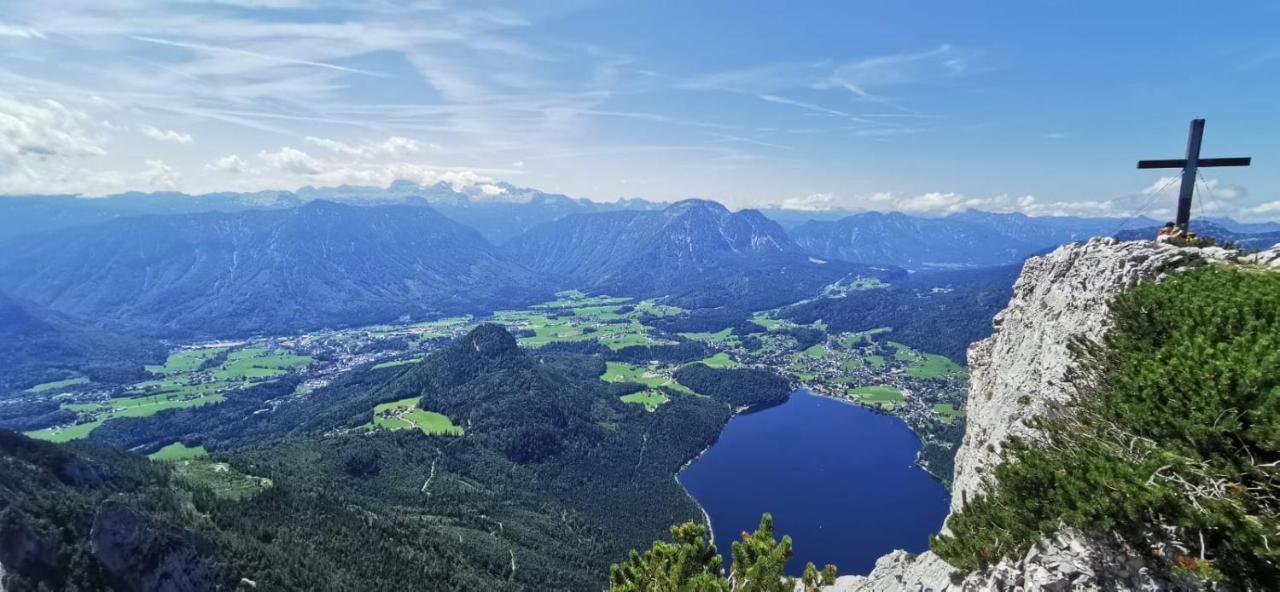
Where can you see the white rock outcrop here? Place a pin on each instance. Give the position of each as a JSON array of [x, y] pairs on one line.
[[1022, 372]]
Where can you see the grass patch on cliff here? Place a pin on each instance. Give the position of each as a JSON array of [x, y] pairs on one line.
[[1176, 440]]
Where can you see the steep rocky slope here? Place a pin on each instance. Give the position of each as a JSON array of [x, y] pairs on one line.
[[1021, 373]]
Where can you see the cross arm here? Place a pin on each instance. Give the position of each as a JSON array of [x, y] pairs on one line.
[[1172, 163], [1223, 162]]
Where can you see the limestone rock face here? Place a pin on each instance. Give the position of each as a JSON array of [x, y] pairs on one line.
[[1269, 258], [1065, 562], [1022, 372]]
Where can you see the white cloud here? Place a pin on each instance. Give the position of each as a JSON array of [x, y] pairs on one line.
[[165, 135], [229, 164], [20, 32], [866, 76], [1206, 189], [292, 160], [159, 175], [43, 146], [950, 202], [392, 147], [811, 202], [1269, 208]]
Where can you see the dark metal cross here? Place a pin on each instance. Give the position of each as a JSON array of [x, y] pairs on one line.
[[1189, 166]]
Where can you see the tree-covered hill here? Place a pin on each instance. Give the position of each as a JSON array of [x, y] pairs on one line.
[[553, 478], [38, 345], [939, 312]]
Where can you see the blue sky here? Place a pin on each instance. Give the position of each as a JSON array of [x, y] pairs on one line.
[[930, 107]]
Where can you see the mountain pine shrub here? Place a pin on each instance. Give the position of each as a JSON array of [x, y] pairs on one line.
[[1173, 445]]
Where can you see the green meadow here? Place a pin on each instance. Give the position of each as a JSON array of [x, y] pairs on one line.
[[922, 365], [720, 336], [816, 351], [623, 372], [650, 399], [405, 414], [884, 397], [186, 360], [395, 363], [720, 360], [259, 363], [177, 451], [57, 384], [763, 320], [946, 412]]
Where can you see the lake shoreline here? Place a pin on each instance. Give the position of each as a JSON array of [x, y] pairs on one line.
[[864, 495]]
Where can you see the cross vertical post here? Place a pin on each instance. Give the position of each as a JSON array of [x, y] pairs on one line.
[[1190, 165], [1194, 136]]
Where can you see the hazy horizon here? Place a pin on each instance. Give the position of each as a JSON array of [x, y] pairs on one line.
[[1041, 109]]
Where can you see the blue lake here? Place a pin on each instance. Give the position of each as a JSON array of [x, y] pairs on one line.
[[838, 478]]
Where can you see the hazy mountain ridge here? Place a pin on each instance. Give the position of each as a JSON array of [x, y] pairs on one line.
[[971, 238], [502, 213], [266, 271], [686, 249]]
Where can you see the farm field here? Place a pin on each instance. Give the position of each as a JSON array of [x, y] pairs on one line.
[[396, 363], [721, 360], [765, 321], [177, 451], [180, 383], [258, 363], [650, 399], [623, 372], [57, 384], [186, 360], [885, 397], [816, 351], [947, 412], [923, 365], [405, 414], [719, 337]]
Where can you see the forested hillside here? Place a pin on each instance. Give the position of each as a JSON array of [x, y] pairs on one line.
[[38, 345], [552, 478], [941, 312], [695, 250], [257, 271]]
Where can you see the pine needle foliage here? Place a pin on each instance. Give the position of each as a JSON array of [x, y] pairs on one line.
[[1173, 445], [690, 563]]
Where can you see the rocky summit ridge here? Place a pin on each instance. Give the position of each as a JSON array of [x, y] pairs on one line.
[[1024, 371]]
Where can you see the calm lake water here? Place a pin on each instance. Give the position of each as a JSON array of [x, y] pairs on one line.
[[838, 478]]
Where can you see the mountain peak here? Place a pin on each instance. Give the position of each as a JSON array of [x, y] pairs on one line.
[[686, 206], [490, 340]]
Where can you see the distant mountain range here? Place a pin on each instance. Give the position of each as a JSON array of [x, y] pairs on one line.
[[274, 261], [321, 264], [695, 250], [962, 240], [499, 215]]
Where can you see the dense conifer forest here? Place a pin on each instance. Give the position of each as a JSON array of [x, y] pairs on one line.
[[554, 479]]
